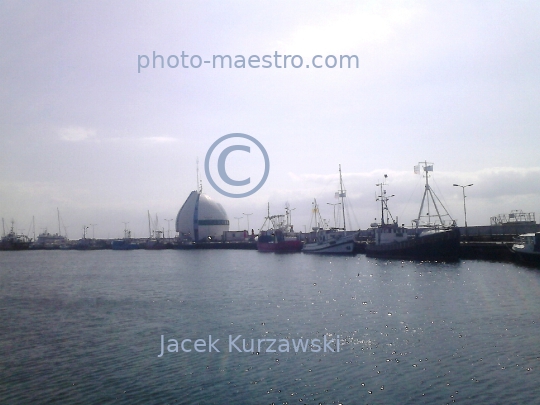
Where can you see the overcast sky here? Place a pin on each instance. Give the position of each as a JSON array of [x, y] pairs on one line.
[[81, 130]]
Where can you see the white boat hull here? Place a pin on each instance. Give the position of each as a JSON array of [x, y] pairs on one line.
[[333, 247]]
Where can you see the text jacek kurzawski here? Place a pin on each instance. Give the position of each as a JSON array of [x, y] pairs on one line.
[[238, 344]]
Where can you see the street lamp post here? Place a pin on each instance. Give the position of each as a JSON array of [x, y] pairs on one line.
[[169, 228], [93, 225], [464, 206], [334, 205], [247, 215], [238, 218]]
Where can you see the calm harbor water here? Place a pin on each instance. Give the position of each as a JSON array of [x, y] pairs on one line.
[[85, 327]]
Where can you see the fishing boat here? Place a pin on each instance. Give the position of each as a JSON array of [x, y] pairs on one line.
[[125, 244], [330, 240], [155, 240], [14, 241], [433, 237], [280, 236], [48, 241], [527, 248]]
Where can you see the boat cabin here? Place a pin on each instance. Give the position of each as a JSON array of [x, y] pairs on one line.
[[390, 233]]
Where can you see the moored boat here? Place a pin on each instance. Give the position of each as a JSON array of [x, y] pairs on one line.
[[125, 244], [48, 241], [277, 241], [527, 248], [432, 239], [330, 241], [334, 240], [14, 241], [156, 240], [280, 237]]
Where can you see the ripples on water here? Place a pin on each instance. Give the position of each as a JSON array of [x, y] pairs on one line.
[[85, 327]]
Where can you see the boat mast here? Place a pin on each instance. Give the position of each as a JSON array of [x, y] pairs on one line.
[[384, 202], [315, 217], [267, 218], [342, 194], [58, 214], [428, 192], [149, 228], [382, 198]]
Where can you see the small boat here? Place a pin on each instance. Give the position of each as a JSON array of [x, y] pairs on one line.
[[430, 240], [125, 244], [527, 248], [280, 237], [14, 241], [333, 240]]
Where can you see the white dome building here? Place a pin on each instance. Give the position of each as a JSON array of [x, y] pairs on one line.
[[201, 218]]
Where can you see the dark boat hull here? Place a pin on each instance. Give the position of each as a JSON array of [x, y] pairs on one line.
[[15, 246], [124, 245], [287, 246], [441, 246], [528, 258]]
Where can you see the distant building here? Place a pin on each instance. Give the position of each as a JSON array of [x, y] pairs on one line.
[[201, 219], [235, 236]]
